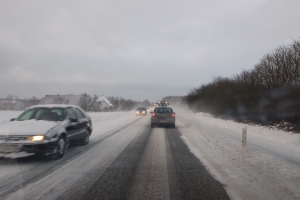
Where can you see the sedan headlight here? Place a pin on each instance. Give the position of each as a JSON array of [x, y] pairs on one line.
[[143, 111], [36, 138], [137, 111]]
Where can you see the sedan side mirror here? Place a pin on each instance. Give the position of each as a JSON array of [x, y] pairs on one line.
[[13, 119]]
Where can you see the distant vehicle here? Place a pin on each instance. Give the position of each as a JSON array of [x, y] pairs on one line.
[[45, 130], [141, 111], [162, 104], [163, 116]]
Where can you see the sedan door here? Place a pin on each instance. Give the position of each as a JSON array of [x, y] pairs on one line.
[[73, 126], [82, 124]]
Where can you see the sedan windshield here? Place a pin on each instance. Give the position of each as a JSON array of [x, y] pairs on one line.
[[48, 114]]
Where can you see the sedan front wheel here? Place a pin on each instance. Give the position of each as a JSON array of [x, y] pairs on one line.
[[86, 138], [60, 148]]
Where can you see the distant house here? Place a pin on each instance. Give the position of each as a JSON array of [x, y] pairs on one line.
[[103, 104], [84, 101]]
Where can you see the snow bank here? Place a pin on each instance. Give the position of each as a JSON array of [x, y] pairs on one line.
[[7, 115], [267, 169], [104, 122]]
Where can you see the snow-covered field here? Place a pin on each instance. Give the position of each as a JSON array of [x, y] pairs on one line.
[[269, 168], [7, 115], [110, 121]]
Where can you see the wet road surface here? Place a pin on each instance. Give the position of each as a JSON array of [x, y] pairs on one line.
[[134, 162]]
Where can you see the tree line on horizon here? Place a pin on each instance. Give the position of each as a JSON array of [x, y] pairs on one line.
[[127, 104], [270, 92], [86, 102]]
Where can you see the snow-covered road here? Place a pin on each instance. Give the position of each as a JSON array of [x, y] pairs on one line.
[[158, 163]]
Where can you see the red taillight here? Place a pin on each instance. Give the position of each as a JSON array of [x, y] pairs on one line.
[[153, 115], [173, 115]]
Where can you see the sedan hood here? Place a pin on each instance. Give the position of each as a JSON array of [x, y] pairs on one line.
[[28, 127]]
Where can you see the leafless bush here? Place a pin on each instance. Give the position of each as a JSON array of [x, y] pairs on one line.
[[268, 92]]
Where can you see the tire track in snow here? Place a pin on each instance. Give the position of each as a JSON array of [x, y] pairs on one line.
[[116, 181], [193, 179], [151, 179]]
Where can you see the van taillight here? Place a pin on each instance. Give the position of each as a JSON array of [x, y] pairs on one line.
[[173, 115], [153, 115]]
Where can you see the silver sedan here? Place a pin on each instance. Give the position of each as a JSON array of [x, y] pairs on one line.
[[45, 129], [163, 116]]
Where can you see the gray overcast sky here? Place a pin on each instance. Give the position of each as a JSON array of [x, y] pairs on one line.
[[132, 48]]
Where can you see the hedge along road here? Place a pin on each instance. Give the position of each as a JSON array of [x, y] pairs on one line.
[[137, 162]]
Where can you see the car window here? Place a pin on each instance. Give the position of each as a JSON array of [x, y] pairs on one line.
[[27, 115], [162, 104], [48, 114], [59, 112], [71, 113], [79, 113], [38, 113], [163, 110]]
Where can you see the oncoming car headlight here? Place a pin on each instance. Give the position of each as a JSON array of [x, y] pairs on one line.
[[143, 111], [137, 111], [36, 138]]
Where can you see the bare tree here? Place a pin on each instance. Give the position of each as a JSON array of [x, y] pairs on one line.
[[94, 104], [60, 100], [268, 92], [32, 101], [10, 99], [85, 102], [146, 103], [95, 97], [34, 98]]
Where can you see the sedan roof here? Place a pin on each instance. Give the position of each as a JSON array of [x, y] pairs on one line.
[[53, 106]]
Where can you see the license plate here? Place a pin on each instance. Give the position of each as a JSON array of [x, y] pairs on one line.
[[9, 148], [163, 121]]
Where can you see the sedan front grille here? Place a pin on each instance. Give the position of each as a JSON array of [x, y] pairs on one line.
[[13, 137]]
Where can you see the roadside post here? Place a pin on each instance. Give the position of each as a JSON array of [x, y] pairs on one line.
[[244, 137]]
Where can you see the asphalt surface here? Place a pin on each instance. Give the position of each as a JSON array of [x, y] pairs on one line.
[[135, 162]]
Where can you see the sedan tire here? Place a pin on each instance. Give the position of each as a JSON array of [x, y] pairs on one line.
[[60, 148], [86, 138]]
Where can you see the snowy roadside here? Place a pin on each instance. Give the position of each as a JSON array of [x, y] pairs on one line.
[[7, 115], [250, 173], [108, 121]]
